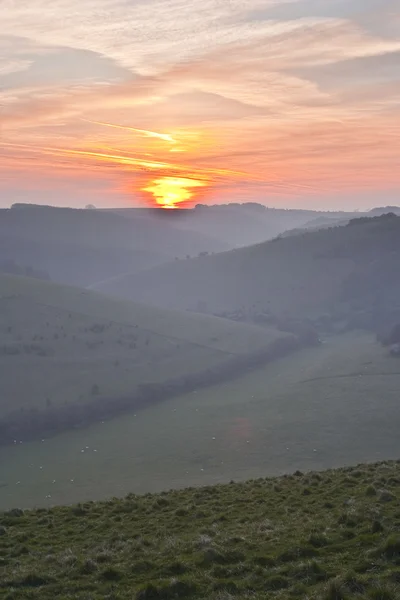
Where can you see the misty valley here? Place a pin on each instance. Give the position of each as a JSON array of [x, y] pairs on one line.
[[142, 352], [206, 367]]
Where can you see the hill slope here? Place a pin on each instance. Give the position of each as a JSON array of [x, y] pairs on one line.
[[339, 271], [329, 535], [82, 247], [64, 347], [328, 406]]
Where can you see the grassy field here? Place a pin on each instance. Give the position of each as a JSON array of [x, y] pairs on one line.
[[322, 407], [66, 345], [333, 535], [306, 275]]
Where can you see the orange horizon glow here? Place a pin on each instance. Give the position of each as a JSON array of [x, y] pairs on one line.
[[172, 184], [159, 182]]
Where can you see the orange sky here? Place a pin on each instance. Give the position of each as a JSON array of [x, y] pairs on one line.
[[289, 103]]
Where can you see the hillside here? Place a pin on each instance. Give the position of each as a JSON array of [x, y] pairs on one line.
[[343, 273], [320, 535], [82, 247], [321, 407], [63, 349]]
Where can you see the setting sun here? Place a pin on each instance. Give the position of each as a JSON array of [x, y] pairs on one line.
[[168, 192]]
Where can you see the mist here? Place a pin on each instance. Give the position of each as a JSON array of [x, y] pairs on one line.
[[261, 329]]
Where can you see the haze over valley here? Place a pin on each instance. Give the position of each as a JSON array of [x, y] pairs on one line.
[[182, 358]]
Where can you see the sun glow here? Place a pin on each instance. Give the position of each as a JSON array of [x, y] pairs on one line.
[[169, 192]]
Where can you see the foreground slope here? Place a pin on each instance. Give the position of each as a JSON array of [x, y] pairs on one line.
[[336, 271], [328, 535], [63, 346]]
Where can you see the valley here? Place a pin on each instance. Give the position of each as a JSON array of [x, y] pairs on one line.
[[328, 406]]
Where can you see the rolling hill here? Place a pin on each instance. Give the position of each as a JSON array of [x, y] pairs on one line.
[[81, 247], [343, 273], [326, 406], [69, 355]]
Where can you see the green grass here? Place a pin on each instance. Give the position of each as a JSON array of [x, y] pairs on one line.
[[323, 407], [58, 342], [319, 535]]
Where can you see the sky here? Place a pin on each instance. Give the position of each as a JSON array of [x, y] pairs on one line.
[[291, 103]]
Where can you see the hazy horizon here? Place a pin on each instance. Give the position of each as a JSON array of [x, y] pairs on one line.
[[123, 103], [121, 203]]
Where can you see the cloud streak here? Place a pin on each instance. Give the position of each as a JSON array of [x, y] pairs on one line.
[[256, 99]]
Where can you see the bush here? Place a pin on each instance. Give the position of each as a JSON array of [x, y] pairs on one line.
[[276, 582], [89, 566], [111, 574], [33, 580], [14, 512], [166, 591], [79, 511], [383, 592], [318, 540], [391, 548], [385, 496], [335, 590]]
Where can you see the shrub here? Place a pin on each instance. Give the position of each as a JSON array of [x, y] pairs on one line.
[[318, 540], [385, 496], [353, 583], [211, 556], [335, 590], [310, 571], [15, 512], [377, 526], [89, 566], [148, 592], [166, 591], [391, 548], [381, 591], [111, 574], [264, 561], [33, 580], [276, 582], [104, 557], [79, 511]]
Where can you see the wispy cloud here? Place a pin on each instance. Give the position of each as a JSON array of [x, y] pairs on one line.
[[294, 98]]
